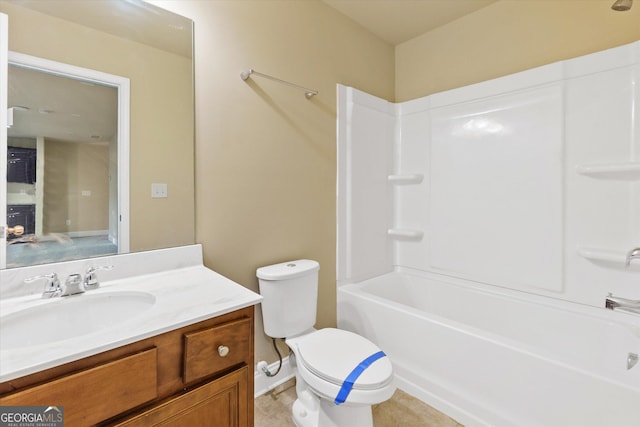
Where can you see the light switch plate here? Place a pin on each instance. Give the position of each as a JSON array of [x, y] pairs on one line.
[[158, 191]]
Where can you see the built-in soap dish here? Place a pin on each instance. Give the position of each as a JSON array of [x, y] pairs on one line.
[[405, 234], [406, 179], [616, 171]]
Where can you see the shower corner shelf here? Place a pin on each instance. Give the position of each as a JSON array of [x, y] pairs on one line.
[[607, 258], [404, 233], [619, 171], [409, 178]]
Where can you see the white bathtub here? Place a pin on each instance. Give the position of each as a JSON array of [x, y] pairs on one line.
[[499, 358]]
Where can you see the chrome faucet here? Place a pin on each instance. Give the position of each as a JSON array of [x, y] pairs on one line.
[[52, 287], [612, 303], [631, 255], [73, 285], [91, 278]]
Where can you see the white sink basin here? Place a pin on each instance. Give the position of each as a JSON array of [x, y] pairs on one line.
[[65, 318]]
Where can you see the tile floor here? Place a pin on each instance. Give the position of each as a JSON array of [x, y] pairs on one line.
[[273, 409]]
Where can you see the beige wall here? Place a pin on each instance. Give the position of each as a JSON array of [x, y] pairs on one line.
[[161, 105], [506, 37], [266, 156], [69, 169]]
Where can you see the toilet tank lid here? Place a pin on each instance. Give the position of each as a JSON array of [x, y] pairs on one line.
[[288, 270]]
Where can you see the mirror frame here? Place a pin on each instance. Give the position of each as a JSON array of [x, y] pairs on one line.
[[122, 85]]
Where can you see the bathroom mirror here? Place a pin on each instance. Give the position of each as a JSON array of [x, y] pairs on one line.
[[152, 49]]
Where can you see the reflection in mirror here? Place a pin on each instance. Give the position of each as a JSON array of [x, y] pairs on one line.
[[62, 199], [150, 47]]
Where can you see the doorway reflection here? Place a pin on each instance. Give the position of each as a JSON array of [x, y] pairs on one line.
[[61, 168]]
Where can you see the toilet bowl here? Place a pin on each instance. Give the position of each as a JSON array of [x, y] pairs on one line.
[[339, 374], [328, 393]]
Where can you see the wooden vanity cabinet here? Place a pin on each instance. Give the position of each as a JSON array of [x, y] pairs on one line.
[[220, 402], [198, 375]]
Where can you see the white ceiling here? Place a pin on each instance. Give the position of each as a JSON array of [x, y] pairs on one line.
[[59, 107], [397, 21]]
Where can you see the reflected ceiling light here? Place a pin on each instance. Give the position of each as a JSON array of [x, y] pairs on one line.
[[483, 125], [622, 5], [479, 127]]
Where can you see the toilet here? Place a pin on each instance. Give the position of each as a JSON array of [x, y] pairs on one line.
[[339, 374]]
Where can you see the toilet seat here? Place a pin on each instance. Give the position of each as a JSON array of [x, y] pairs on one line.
[[326, 357]]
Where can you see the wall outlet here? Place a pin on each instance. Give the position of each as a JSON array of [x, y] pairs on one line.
[[262, 367], [158, 191]]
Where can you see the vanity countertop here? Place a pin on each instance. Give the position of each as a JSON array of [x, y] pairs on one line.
[[182, 296]]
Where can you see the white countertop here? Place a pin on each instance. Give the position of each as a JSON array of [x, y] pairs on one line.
[[183, 296]]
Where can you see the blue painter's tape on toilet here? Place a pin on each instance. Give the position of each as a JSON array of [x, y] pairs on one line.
[[347, 385]]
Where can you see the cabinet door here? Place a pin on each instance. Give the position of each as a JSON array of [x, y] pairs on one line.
[[219, 403]]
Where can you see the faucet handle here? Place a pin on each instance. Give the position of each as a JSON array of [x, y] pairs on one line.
[[631, 255], [52, 287], [91, 278]]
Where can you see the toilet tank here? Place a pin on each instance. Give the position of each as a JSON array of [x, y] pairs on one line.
[[290, 294]]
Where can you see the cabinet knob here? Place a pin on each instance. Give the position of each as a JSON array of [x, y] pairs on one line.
[[223, 350]]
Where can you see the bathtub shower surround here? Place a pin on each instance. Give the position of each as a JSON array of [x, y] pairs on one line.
[[481, 231]]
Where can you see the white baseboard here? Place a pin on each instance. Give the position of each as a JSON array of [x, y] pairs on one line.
[[263, 383]]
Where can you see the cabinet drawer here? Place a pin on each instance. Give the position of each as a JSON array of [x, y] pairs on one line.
[[98, 393], [211, 350]]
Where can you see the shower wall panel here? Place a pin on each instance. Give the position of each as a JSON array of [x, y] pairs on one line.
[[603, 175], [411, 199], [530, 181], [495, 211], [365, 159]]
